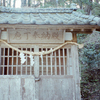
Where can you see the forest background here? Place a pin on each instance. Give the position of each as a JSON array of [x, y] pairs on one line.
[[89, 56]]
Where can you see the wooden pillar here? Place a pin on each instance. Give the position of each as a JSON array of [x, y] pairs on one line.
[[0, 55], [68, 62], [76, 77], [36, 73], [0, 62], [74, 37]]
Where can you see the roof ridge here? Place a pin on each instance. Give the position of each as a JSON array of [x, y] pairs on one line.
[[36, 10]]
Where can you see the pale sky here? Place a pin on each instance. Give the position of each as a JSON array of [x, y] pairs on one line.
[[18, 4]]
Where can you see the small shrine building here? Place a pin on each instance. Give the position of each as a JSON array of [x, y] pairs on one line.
[[39, 52]]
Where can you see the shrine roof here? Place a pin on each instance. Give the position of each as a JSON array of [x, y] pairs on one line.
[[46, 16]]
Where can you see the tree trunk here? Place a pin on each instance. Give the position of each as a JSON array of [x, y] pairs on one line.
[[80, 3], [3, 2], [70, 1], [34, 2], [23, 3], [29, 3], [0, 2], [90, 7], [10, 3], [97, 1], [53, 1], [14, 3]]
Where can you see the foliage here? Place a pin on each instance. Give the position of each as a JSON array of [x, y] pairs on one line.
[[90, 69], [96, 9], [53, 3]]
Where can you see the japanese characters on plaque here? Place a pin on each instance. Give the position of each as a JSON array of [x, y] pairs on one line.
[[35, 36]]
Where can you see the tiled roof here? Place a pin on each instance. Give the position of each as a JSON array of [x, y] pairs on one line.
[[47, 16], [36, 10]]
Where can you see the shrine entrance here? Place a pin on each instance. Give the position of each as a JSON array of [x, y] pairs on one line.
[[39, 52], [51, 77]]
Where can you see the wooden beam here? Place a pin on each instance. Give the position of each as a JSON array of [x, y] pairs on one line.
[[82, 30], [2, 28], [71, 30], [98, 29], [51, 26], [85, 31]]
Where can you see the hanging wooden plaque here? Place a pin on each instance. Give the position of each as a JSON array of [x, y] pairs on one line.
[[35, 36]]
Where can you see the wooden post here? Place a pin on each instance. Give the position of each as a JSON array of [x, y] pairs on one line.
[[76, 77], [36, 72], [74, 37], [0, 54], [0, 62], [68, 67]]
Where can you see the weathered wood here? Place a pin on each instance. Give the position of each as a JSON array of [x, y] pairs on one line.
[[55, 64], [51, 26], [0, 62], [68, 36], [0, 34], [35, 36], [21, 66], [77, 73], [8, 62], [36, 72], [64, 60], [4, 35], [59, 62], [74, 37], [28, 88], [17, 88], [51, 63], [30, 64], [42, 60], [3, 61], [51, 86], [56, 88], [75, 63], [16, 62], [46, 63], [68, 67], [70, 62], [40, 45]]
